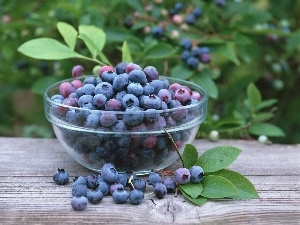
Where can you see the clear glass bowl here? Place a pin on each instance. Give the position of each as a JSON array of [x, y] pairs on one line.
[[138, 148]]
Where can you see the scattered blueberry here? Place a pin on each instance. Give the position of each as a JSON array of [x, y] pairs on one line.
[[61, 177], [79, 203]]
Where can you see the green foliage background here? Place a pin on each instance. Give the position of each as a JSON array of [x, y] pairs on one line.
[[252, 78]]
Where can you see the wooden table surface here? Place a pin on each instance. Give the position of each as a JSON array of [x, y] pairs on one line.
[[28, 194]]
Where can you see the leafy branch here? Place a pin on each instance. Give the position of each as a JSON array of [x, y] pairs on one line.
[[218, 181]]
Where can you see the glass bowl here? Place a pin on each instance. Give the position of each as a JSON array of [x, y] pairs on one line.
[[139, 148]]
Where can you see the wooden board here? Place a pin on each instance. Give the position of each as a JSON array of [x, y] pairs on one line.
[[29, 195]]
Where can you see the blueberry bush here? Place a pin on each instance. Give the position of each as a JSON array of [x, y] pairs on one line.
[[245, 53]]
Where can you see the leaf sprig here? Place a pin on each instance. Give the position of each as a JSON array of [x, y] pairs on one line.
[[218, 181]]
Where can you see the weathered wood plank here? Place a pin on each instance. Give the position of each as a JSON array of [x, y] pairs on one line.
[[28, 194]]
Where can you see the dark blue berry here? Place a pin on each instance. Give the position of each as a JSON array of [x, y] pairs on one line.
[[105, 88], [137, 76], [120, 196], [190, 19], [120, 82], [170, 184], [136, 197], [92, 181], [197, 174], [79, 202], [120, 68], [79, 190], [186, 44], [154, 178], [192, 62], [160, 190], [134, 116], [109, 173], [61, 177], [95, 196], [129, 100], [157, 32]]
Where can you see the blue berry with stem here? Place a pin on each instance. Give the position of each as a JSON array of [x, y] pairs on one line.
[[95, 196], [152, 102], [79, 203], [136, 197], [197, 174], [104, 88], [138, 184], [61, 177]]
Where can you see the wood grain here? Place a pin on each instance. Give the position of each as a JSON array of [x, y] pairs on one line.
[[28, 194]]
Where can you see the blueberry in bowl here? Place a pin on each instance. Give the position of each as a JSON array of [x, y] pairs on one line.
[[125, 116]]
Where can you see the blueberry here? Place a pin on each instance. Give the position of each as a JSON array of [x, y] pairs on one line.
[[157, 124], [205, 58], [76, 83], [103, 187], [178, 6], [105, 88], [99, 100], [79, 202], [190, 19], [61, 177], [79, 190], [160, 190], [95, 196], [92, 181], [157, 32], [70, 101], [120, 196], [109, 173], [182, 175], [148, 89], [149, 141], [105, 69], [85, 100], [139, 184], [197, 12], [119, 126], [186, 44], [136, 197], [108, 119], [58, 96], [192, 62], [185, 55], [66, 88], [79, 180], [120, 68], [129, 100], [152, 102], [120, 95], [165, 95], [170, 184], [151, 73], [90, 80], [220, 3], [134, 116], [123, 178], [132, 66], [113, 105], [120, 82], [92, 121], [88, 89], [158, 85], [115, 186], [197, 174], [154, 178], [108, 76], [151, 115], [72, 117], [135, 89], [137, 76]]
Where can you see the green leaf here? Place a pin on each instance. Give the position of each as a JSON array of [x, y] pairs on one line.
[[205, 80], [181, 71], [46, 48], [95, 48], [40, 85], [267, 103], [217, 187], [267, 129], [126, 55], [218, 158], [69, 33], [189, 155], [229, 124], [245, 189], [259, 117], [293, 42], [159, 51], [198, 201], [254, 97], [228, 51], [96, 36], [193, 190]]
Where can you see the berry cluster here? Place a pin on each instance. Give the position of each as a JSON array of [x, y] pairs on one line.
[[124, 99], [124, 187], [192, 56]]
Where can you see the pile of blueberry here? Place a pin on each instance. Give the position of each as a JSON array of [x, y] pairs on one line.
[[93, 188], [124, 99]]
